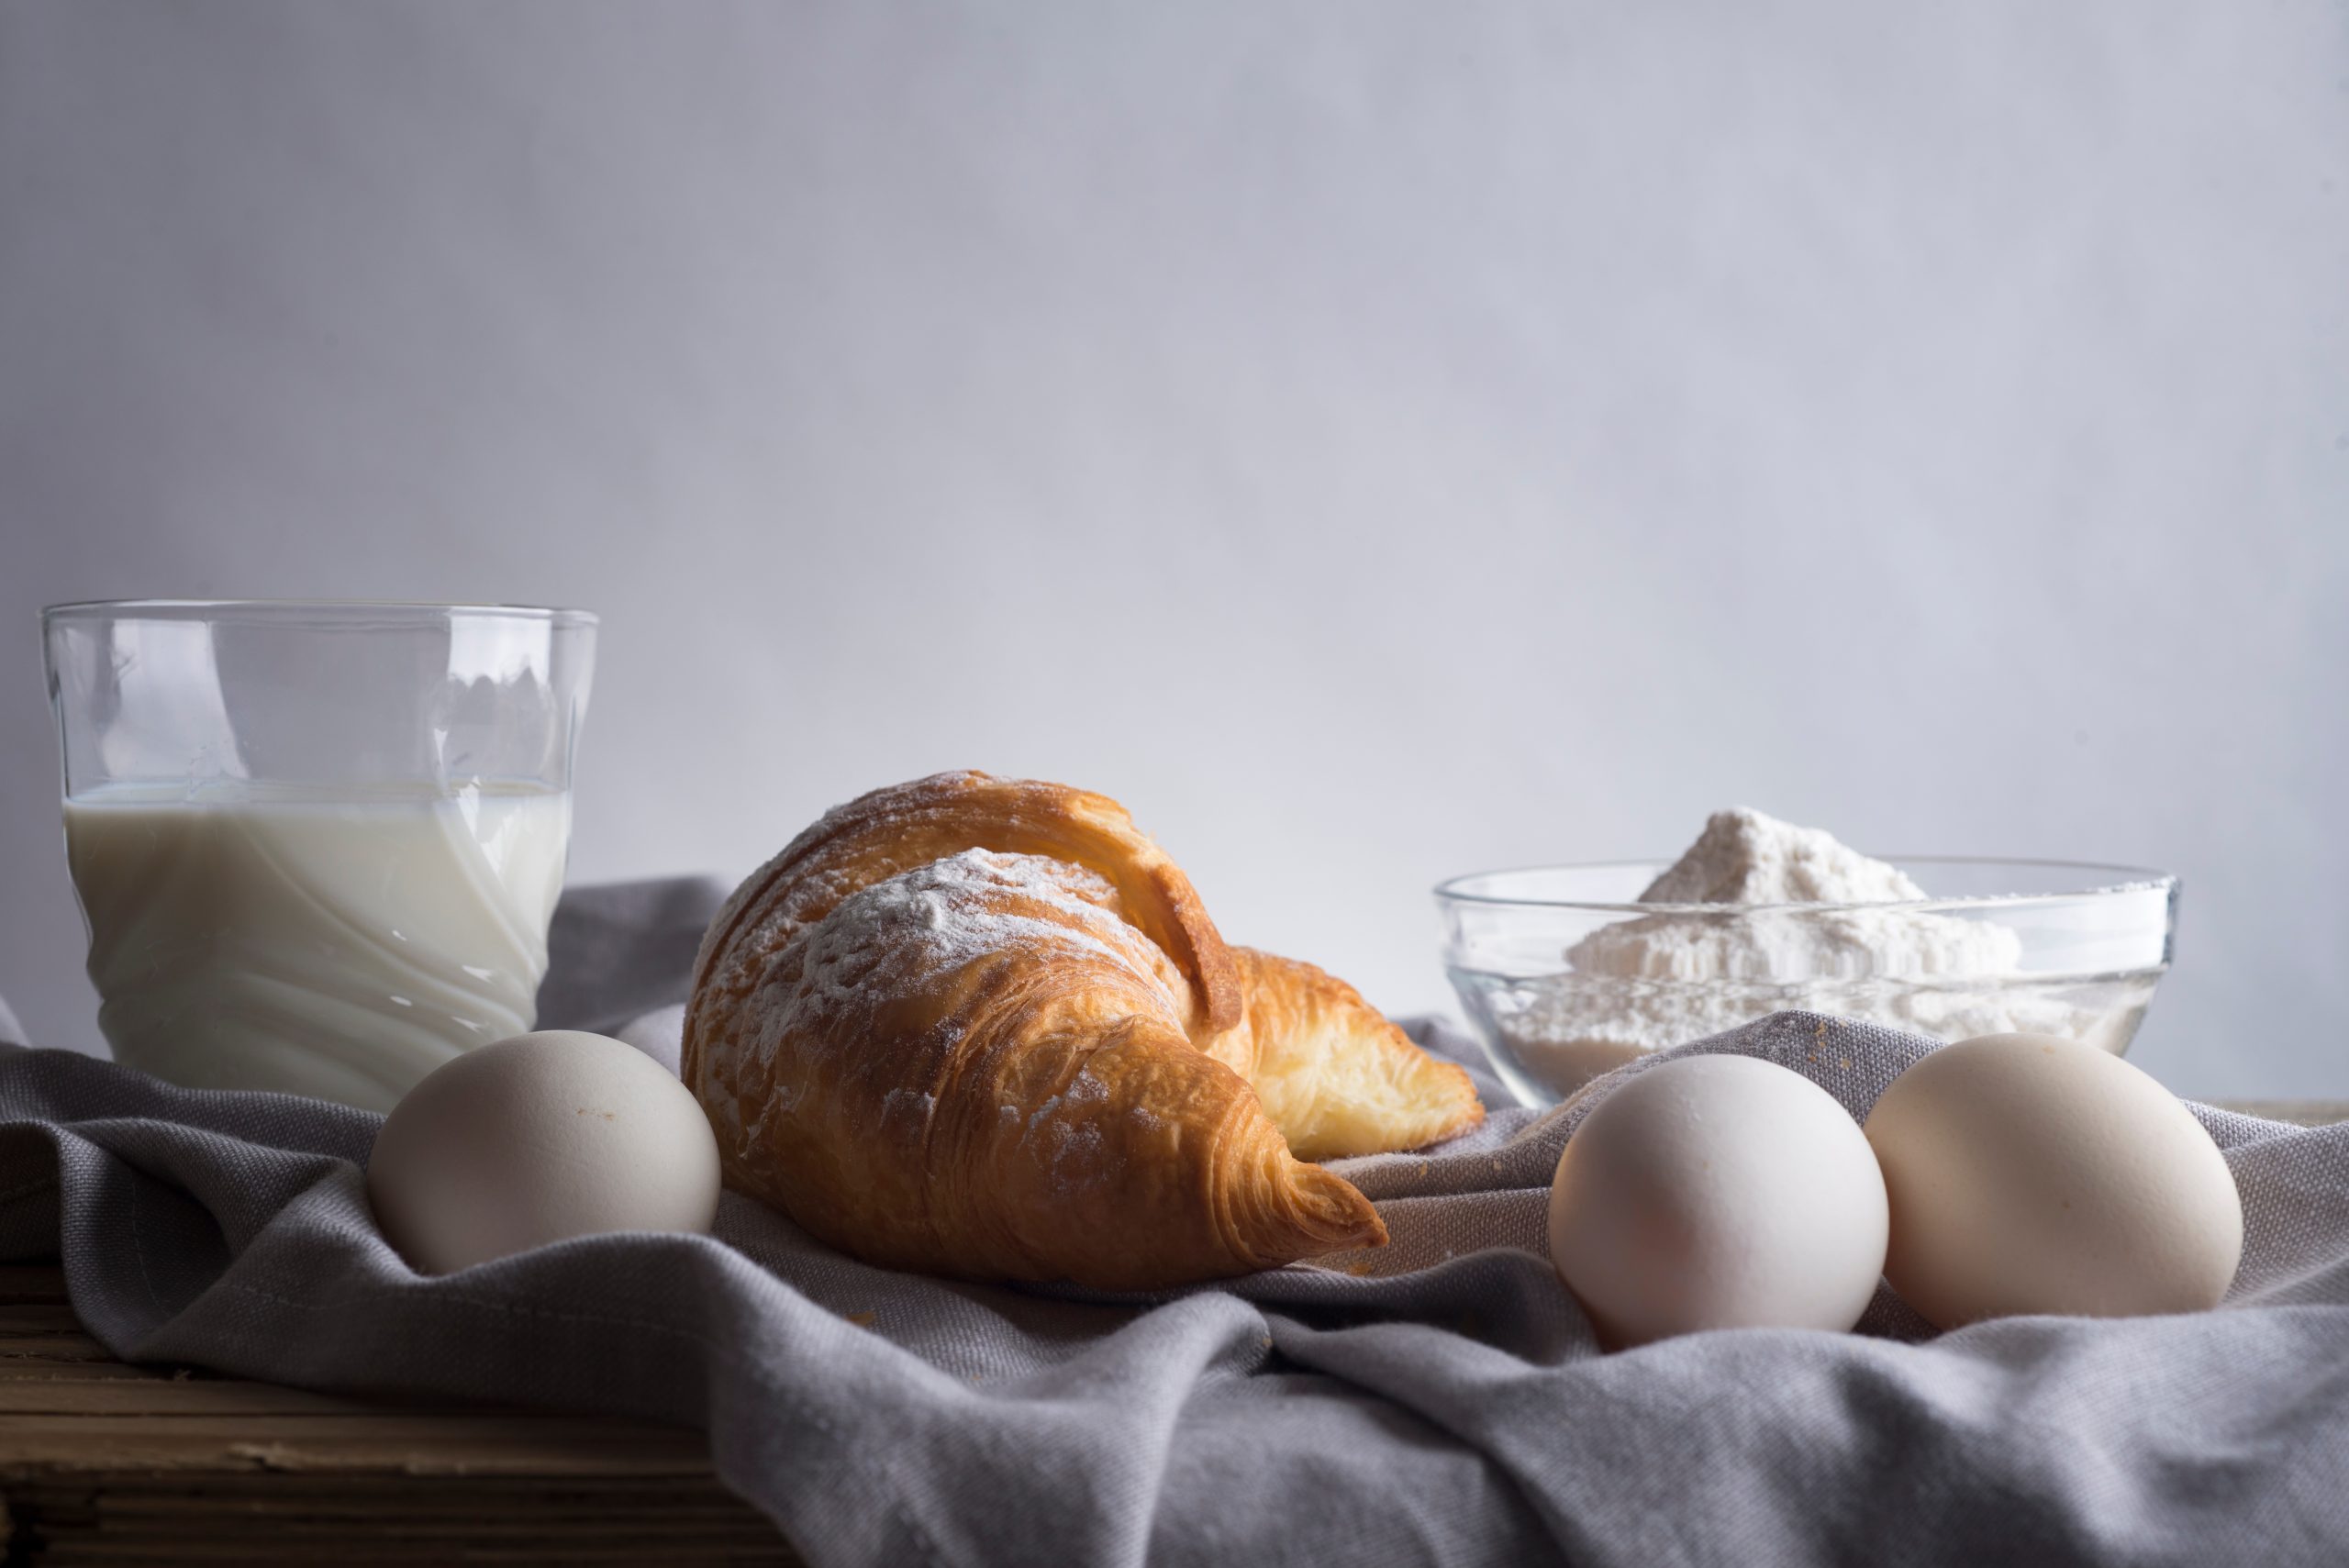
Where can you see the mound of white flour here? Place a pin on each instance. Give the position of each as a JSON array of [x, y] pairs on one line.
[[1687, 972], [1743, 857]]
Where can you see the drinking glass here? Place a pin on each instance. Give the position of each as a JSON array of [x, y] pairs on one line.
[[316, 845]]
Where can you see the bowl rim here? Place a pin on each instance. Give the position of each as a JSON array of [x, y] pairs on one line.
[[2130, 879]]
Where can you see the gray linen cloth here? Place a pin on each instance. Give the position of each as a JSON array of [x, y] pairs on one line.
[[1441, 1400]]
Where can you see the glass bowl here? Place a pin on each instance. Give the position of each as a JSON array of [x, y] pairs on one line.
[[1566, 975]]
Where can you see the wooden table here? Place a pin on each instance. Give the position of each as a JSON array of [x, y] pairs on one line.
[[105, 1463]]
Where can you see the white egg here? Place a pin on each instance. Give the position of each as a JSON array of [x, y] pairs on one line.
[[1718, 1192], [536, 1139], [2030, 1174]]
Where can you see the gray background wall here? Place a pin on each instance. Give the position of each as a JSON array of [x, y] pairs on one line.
[[1372, 441]]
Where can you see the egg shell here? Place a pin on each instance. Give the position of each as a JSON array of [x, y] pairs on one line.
[[2030, 1174], [1718, 1192], [537, 1139]]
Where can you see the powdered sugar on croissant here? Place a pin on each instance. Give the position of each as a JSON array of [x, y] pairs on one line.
[[938, 916]]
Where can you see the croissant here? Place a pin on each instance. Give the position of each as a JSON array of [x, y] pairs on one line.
[[1334, 1074], [985, 1027]]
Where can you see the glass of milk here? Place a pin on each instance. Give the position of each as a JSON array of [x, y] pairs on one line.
[[316, 845]]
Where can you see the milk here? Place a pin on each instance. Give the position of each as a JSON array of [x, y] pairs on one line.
[[247, 937]]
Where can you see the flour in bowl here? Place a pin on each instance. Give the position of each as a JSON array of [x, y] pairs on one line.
[[1744, 857], [1739, 934]]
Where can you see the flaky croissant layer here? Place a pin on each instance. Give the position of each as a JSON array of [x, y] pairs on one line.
[[985, 1027]]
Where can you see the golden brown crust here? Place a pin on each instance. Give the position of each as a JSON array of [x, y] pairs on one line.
[[984, 1026], [1335, 1075], [903, 826], [941, 1057]]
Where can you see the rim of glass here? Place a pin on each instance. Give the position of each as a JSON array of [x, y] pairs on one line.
[[300, 609], [2126, 879]]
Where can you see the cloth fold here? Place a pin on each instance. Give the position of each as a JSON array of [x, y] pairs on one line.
[[1439, 1400]]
